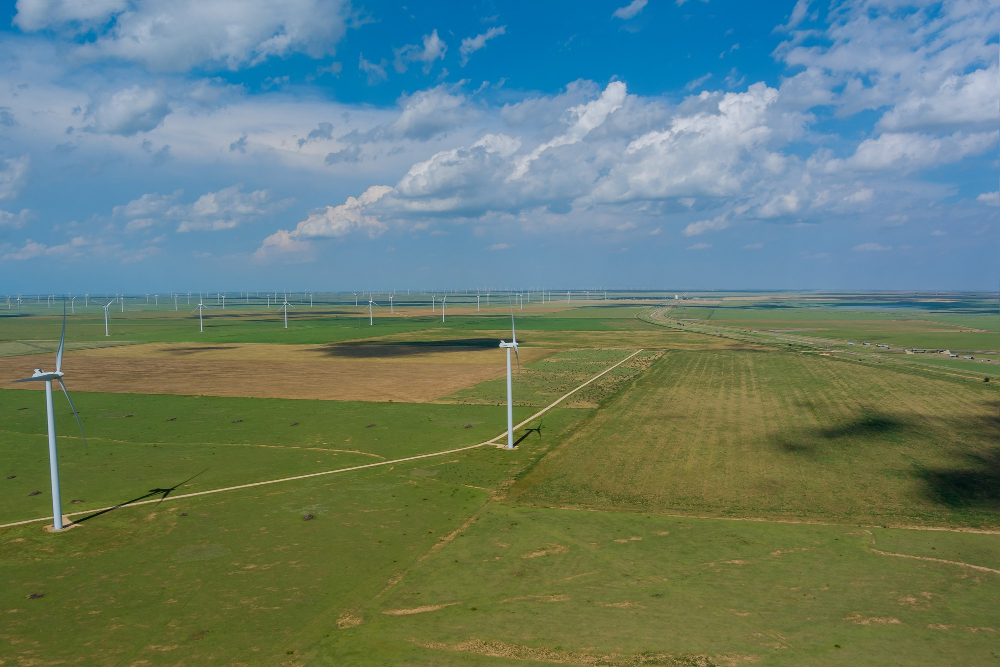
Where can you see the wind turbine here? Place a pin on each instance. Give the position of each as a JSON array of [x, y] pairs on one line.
[[391, 311], [355, 298], [106, 311], [510, 392], [18, 304], [477, 303], [371, 318], [443, 299], [72, 306], [284, 307], [201, 306], [41, 376]]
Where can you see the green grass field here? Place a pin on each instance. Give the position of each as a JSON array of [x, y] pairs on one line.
[[715, 500]]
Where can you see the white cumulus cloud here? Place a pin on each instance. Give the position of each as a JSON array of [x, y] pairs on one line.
[[128, 112], [630, 10], [472, 44], [179, 35]]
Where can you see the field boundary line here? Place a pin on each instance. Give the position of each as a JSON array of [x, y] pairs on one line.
[[491, 441]]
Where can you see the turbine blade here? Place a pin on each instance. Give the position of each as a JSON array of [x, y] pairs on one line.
[[75, 414], [28, 380], [518, 361], [62, 341]]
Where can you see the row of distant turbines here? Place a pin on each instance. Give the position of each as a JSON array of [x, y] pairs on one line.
[[57, 376], [518, 298]]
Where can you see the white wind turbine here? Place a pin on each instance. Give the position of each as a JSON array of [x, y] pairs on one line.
[[72, 306], [107, 311], [284, 307], [443, 299], [510, 391], [41, 376], [371, 317], [201, 307]]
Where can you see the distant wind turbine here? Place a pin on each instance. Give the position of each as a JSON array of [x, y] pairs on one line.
[[371, 317], [510, 391], [41, 376], [72, 306], [107, 310], [201, 307], [443, 299], [285, 306]]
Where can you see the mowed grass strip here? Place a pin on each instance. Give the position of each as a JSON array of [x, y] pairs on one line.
[[600, 588], [785, 436], [540, 382]]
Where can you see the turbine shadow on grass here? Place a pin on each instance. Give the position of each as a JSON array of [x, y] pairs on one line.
[[151, 494], [369, 350], [529, 431]]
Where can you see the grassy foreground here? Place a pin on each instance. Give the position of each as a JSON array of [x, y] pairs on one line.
[[541, 586]]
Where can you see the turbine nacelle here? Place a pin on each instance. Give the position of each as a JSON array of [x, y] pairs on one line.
[[41, 376]]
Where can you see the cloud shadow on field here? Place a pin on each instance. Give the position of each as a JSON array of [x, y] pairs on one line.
[[867, 425], [369, 350], [976, 483]]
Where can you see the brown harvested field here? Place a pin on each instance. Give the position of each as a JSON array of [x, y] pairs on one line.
[[366, 372]]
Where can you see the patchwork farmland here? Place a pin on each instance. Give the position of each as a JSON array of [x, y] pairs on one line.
[[681, 492]]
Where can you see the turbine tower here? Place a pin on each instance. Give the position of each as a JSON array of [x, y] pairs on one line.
[[510, 392], [41, 376], [371, 318], [201, 306], [106, 315], [443, 299], [284, 307]]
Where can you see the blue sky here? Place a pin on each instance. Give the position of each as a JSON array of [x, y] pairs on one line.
[[319, 144]]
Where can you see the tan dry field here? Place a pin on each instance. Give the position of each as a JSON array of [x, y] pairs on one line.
[[401, 373]]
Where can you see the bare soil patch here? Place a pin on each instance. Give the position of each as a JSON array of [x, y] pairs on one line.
[[418, 610], [377, 373]]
